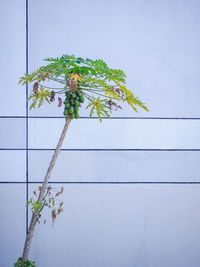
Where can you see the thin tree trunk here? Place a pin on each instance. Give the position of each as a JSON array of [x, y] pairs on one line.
[[33, 222]]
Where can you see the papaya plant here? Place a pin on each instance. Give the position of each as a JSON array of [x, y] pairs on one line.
[[77, 80]]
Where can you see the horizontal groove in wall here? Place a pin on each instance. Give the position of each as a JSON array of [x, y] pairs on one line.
[[113, 118], [106, 149], [64, 182]]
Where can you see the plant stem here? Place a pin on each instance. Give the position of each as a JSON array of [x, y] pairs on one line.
[[94, 92], [33, 221], [58, 80], [49, 87]]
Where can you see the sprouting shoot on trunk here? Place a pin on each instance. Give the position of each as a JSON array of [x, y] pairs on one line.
[[78, 80]]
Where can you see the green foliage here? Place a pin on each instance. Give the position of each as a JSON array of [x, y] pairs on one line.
[[36, 206], [26, 263], [100, 107], [39, 97], [99, 84], [50, 200]]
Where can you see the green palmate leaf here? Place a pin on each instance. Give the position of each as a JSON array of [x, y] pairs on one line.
[[29, 77], [39, 97], [100, 107]]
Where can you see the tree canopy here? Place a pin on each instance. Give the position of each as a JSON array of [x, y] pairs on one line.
[[104, 88]]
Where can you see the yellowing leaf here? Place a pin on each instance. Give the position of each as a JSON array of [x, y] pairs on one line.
[[130, 98], [126, 91], [75, 76], [99, 106], [41, 95], [111, 94]]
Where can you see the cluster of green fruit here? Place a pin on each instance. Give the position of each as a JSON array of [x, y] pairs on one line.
[[72, 103]]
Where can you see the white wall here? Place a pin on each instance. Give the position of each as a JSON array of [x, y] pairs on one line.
[[149, 215]]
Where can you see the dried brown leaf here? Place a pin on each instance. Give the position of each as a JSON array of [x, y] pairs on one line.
[[53, 215], [59, 102], [52, 96], [35, 88]]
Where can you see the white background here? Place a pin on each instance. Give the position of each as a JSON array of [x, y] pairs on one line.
[[149, 215]]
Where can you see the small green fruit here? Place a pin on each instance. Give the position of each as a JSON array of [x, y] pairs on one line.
[[70, 94], [72, 116], [76, 103], [77, 115], [67, 105], [79, 94], [66, 101], [73, 95], [82, 99], [66, 112], [67, 93], [71, 109]]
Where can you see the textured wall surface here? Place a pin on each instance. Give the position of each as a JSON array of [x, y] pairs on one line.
[[131, 184]]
